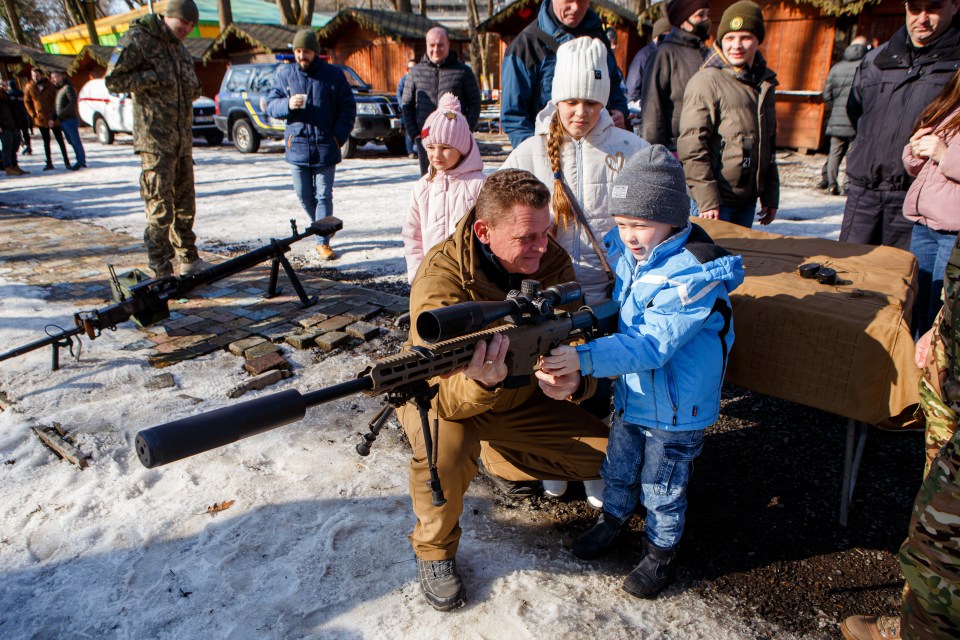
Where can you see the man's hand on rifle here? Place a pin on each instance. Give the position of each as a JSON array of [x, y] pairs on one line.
[[488, 366], [559, 373]]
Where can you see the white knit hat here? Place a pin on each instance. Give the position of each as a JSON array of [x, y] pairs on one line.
[[581, 72]]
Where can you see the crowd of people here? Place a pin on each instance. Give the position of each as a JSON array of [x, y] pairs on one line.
[[583, 197]]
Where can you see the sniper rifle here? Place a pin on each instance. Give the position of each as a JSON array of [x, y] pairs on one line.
[[146, 299], [533, 325]]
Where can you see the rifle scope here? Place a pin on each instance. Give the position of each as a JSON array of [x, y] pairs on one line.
[[444, 323]]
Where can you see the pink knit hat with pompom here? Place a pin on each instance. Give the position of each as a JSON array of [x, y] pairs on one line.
[[447, 126]]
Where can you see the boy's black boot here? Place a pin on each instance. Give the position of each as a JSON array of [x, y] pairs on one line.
[[654, 572], [598, 539]]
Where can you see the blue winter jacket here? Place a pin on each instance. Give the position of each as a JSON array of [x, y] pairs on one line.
[[675, 331], [527, 73], [314, 134]]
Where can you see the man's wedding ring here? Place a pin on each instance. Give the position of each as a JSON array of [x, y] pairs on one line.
[[488, 362]]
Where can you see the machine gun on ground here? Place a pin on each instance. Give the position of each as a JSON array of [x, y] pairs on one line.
[[146, 299], [533, 326]]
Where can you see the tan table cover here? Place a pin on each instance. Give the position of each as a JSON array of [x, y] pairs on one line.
[[846, 349]]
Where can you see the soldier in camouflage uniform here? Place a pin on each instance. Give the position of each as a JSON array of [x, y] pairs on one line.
[[151, 63], [930, 557]]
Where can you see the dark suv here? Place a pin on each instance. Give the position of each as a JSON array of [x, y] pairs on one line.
[[240, 111]]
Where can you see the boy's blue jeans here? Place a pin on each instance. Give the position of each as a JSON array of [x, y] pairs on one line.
[[314, 187], [651, 466]]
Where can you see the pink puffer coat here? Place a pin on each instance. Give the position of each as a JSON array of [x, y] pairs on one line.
[[437, 205], [934, 197]]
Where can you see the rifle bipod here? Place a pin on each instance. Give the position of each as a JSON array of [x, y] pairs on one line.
[[421, 396], [272, 290]]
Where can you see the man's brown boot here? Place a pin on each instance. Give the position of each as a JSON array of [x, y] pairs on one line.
[[870, 628], [326, 253]]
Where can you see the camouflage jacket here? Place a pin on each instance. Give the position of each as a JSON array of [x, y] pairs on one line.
[[940, 385], [153, 65]]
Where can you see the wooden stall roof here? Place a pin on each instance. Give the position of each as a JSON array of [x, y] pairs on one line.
[[505, 20], [840, 7], [390, 24], [90, 55], [198, 47], [267, 37], [46, 61]]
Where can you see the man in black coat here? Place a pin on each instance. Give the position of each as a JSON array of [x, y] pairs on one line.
[[437, 73], [891, 87]]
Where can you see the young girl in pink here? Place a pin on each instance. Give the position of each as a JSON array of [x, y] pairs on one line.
[[449, 189]]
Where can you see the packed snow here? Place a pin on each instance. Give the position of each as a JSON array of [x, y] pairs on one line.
[[313, 542]]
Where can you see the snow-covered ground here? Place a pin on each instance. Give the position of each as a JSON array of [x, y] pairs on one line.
[[313, 544]]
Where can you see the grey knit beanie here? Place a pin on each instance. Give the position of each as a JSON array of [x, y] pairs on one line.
[[651, 186], [306, 39], [183, 9]]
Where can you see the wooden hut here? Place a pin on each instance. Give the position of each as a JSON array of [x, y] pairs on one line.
[[244, 43], [512, 19], [378, 44]]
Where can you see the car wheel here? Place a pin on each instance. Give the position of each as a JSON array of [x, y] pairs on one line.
[[396, 145], [245, 137], [349, 148], [214, 138], [104, 135]]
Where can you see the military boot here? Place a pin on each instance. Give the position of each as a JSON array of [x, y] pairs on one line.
[[871, 628], [653, 573], [598, 539], [441, 584]]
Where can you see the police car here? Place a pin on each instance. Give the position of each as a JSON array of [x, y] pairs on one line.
[[110, 113]]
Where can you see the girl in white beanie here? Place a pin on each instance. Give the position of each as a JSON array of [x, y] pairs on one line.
[[578, 152], [449, 189]]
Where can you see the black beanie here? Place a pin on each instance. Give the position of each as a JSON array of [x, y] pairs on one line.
[[679, 10]]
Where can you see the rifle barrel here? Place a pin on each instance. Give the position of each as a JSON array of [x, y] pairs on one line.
[[189, 436], [33, 346]]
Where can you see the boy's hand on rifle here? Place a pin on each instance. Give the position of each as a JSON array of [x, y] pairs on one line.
[[562, 361], [488, 366]]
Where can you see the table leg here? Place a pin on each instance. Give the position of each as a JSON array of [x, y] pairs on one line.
[[852, 455]]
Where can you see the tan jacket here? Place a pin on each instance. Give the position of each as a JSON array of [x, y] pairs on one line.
[[728, 130], [451, 273], [41, 103]]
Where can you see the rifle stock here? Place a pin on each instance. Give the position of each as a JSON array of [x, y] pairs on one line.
[[398, 377]]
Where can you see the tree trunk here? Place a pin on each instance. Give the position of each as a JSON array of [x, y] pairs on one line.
[[476, 50], [225, 13], [13, 21], [306, 13], [286, 12], [89, 17], [404, 6], [423, 8]]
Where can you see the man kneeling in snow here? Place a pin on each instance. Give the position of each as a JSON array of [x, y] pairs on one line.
[[519, 434]]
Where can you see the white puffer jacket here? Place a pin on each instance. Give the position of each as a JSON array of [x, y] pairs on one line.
[[590, 165], [437, 205]]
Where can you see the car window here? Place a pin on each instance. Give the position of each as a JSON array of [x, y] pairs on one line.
[[262, 80], [238, 79], [353, 79]]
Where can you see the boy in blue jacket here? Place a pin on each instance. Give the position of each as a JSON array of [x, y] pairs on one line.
[[669, 356]]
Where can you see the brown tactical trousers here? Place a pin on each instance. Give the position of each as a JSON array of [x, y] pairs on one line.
[[543, 439]]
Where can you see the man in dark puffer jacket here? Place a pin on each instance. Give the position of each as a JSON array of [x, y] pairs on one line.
[[437, 73], [894, 83]]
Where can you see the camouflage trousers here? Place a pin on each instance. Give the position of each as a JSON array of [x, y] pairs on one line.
[[166, 186], [930, 557]]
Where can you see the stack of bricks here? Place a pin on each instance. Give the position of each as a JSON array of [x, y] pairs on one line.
[[69, 261]]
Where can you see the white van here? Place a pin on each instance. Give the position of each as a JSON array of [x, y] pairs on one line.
[[110, 113]]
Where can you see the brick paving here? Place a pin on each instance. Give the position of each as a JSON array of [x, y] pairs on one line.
[[69, 259]]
